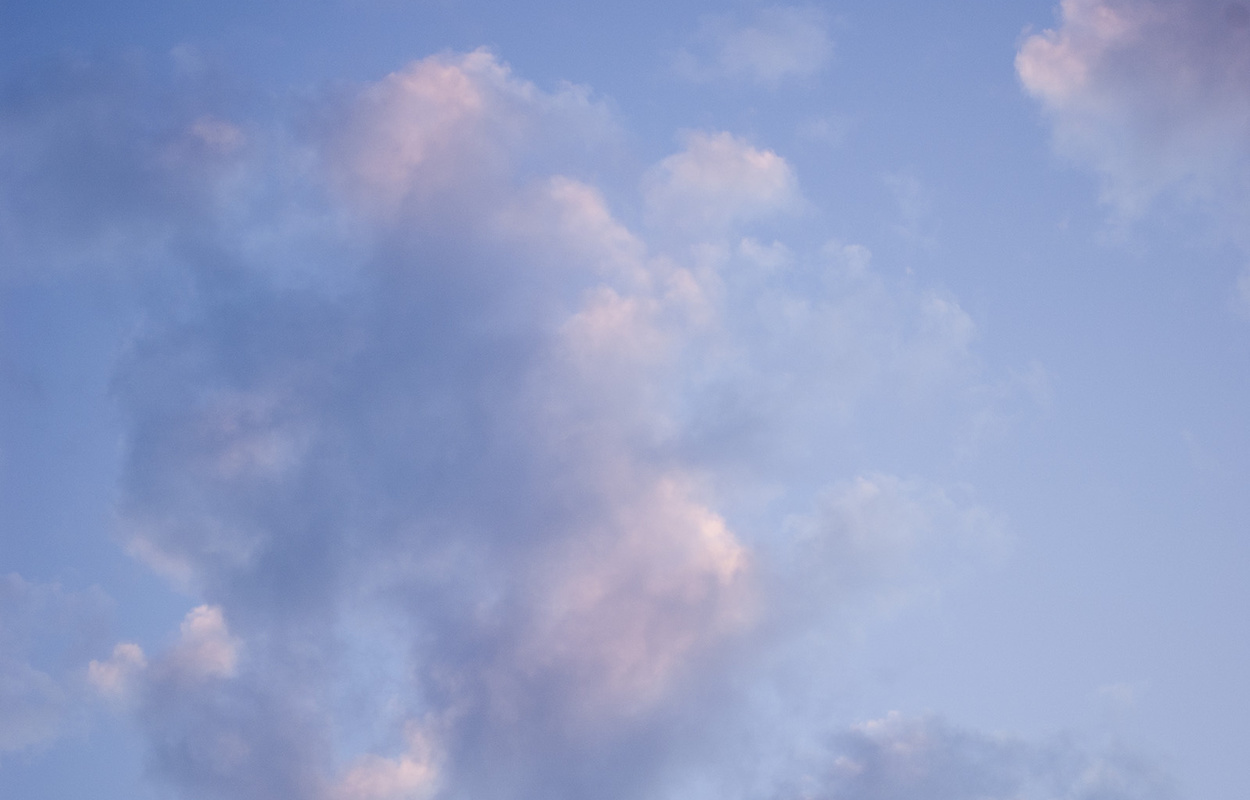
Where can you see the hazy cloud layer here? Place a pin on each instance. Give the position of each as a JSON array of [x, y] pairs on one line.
[[774, 44], [45, 636], [480, 492], [895, 758]]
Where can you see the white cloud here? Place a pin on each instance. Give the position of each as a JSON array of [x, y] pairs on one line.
[[1154, 94], [206, 648], [619, 610], [116, 677], [716, 182], [452, 127], [779, 42], [410, 776]]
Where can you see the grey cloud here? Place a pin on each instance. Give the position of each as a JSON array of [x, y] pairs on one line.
[[103, 162], [246, 738]]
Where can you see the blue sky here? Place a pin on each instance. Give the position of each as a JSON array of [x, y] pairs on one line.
[[406, 399]]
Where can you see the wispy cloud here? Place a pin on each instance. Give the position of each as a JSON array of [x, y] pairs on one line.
[[897, 757], [45, 634], [776, 43]]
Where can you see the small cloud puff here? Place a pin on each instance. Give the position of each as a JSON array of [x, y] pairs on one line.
[[780, 42], [206, 649], [116, 677]]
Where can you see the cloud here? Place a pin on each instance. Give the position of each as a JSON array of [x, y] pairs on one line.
[[206, 649], [778, 43], [1153, 95], [115, 677], [451, 128], [33, 704], [898, 757], [45, 633], [102, 162], [878, 535], [478, 490], [386, 779], [410, 776], [716, 182], [1242, 295]]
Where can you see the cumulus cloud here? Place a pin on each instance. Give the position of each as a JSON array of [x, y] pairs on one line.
[[206, 649], [499, 497], [718, 181], [452, 129], [777, 43], [115, 677], [410, 776], [1151, 93]]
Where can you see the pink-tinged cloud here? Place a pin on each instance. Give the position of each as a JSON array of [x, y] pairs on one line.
[[498, 495], [116, 678], [449, 127], [1153, 94]]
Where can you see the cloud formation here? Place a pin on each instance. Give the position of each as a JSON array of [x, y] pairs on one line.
[[716, 183], [1151, 93], [45, 633], [778, 43], [898, 757], [481, 492]]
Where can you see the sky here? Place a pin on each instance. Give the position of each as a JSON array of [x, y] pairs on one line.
[[445, 400]]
